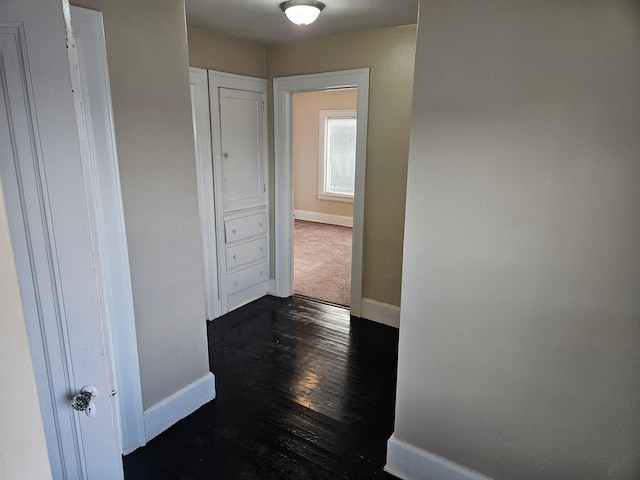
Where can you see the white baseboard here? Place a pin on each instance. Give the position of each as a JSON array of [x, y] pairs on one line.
[[323, 218], [412, 463], [248, 295], [271, 287], [380, 312], [175, 407]]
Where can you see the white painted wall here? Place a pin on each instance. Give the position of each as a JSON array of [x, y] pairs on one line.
[[149, 74], [306, 149], [23, 448], [520, 324]]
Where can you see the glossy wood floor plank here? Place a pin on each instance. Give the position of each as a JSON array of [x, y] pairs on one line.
[[303, 392]]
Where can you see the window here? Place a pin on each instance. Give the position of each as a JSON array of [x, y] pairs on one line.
[[336, 177]]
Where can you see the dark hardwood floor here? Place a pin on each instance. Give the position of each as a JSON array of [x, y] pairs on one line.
[[303, 392]]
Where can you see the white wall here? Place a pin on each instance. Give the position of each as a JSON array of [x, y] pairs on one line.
[[23, 448], [226, 54], [520, 330], [306, 148], [389, 54]]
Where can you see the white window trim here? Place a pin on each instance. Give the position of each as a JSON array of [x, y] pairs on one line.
[[323, 115], [335, 197]]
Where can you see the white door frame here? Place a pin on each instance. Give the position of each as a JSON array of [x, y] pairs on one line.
[[100, 154], [283, 88], [206, 201]]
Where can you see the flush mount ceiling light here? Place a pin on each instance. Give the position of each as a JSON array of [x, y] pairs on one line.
[[302, 12]]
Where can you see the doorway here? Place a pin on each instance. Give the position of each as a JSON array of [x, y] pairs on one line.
[[283, 90], [324, 153]]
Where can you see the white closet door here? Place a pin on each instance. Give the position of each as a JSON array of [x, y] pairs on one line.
[[242, 133]]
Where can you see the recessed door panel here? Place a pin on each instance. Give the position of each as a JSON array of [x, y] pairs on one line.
[[242, 138]]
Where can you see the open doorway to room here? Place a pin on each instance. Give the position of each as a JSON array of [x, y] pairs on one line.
[[284, 89], [324, 160]]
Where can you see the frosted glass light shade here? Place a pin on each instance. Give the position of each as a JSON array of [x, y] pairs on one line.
[[301, 12]]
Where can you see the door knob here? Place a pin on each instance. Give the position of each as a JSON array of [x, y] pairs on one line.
[[82, 402], [225, 154]]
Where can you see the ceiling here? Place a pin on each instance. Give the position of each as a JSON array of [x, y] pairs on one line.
[[263, 22]]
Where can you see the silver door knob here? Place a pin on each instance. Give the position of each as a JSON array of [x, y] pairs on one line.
[[225, 154], [82, 402]]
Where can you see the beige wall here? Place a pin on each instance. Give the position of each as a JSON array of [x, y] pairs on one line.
[[520, 331], [23, 448], [389, 53], [226, 54], [148, 68], [306, 148]]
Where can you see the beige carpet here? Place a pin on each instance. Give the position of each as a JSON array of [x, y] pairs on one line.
[[322, 261]]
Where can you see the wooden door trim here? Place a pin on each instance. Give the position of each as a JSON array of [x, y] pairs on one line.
[[206, 195], [283, 88]]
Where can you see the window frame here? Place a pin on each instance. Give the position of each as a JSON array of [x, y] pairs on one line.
[[324, 116]]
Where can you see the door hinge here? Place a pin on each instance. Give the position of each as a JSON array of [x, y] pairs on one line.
[[264, 187], [263, 107]]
